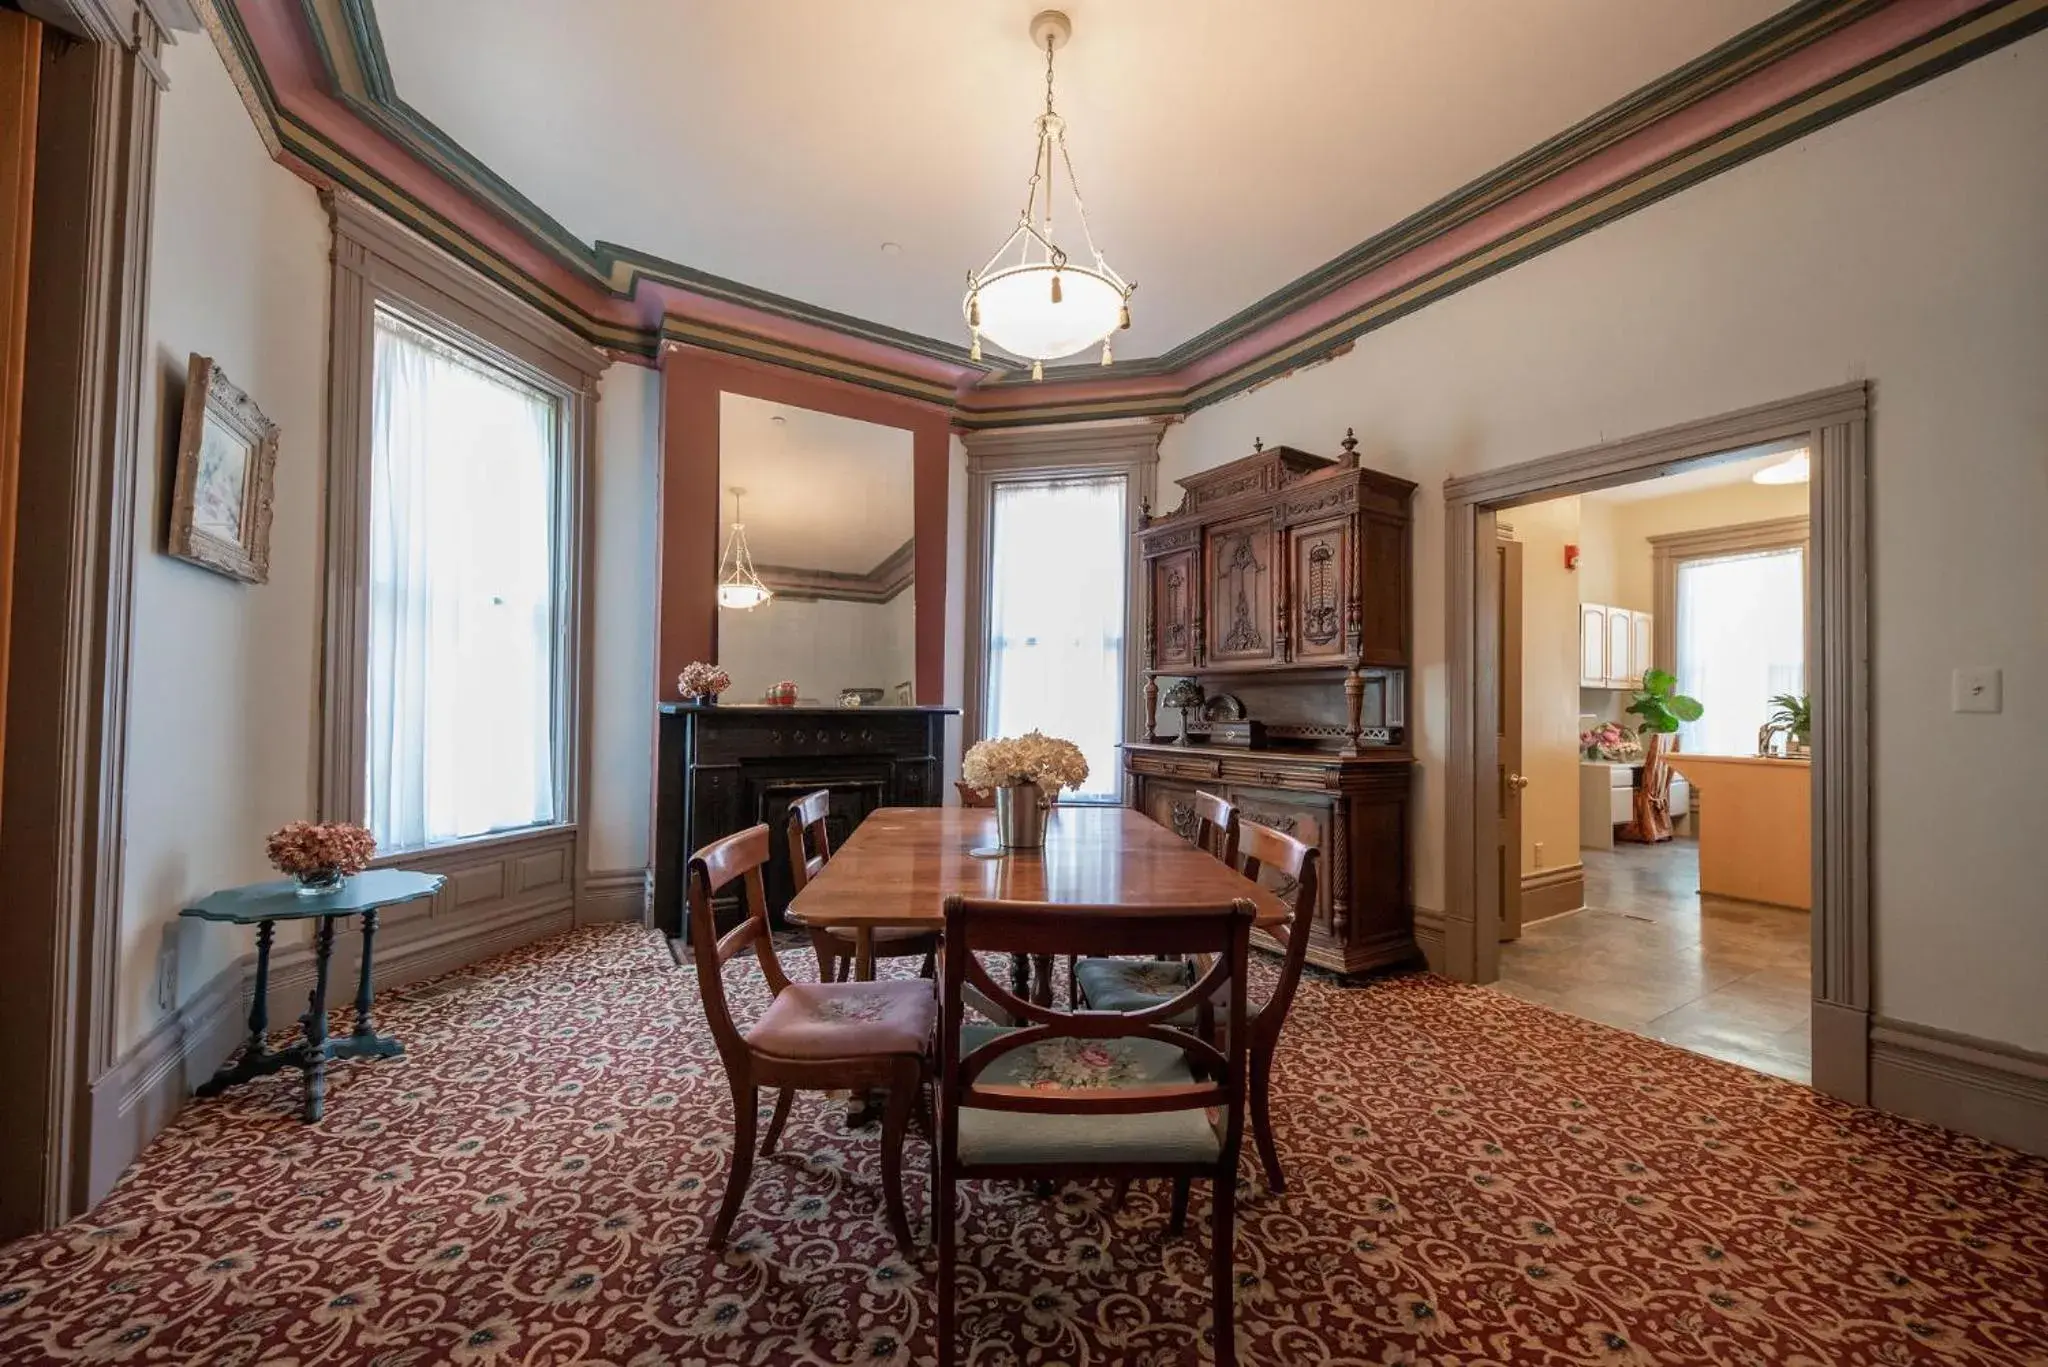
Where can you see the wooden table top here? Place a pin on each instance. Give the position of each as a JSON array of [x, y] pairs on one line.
[[901, 863]]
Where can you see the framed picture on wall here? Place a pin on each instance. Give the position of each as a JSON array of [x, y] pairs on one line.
[[220, 502], [904, 694]]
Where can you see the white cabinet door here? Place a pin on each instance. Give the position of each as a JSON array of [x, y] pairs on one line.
[[1620, 637], [1592, 646], [1642, 650]]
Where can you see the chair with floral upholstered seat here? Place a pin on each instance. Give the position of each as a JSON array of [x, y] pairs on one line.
[[1128, 985], [814, 1037], [837, 947], [1086, 1094]]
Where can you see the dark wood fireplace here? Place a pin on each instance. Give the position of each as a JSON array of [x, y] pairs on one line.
[[724, 768]]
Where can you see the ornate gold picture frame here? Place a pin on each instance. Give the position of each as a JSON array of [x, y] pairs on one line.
[[227, 455]]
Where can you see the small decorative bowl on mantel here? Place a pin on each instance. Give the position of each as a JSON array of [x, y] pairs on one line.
[[320, 855]]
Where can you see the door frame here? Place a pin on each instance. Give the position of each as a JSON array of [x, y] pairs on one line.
[[1834, 425]]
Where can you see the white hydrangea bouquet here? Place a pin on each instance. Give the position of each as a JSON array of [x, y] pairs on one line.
[[1035, 757]]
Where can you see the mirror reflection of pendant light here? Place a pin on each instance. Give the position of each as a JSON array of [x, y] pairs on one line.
[[1791, 470], [738, 585], [1044, 305]]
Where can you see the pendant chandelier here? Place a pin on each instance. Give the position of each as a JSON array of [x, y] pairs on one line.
[[1043, 305], [738, 585]]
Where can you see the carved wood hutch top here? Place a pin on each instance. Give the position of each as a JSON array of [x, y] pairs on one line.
[[1284, 564]]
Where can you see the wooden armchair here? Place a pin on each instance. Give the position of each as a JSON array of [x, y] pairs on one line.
[[814, 1037], [1127, 985], [1081, 1094], [1215, 830], [838, 947]]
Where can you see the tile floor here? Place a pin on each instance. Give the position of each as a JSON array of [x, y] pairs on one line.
[[1650, 955]]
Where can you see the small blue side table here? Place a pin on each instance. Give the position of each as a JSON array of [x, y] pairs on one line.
[[263, 905]]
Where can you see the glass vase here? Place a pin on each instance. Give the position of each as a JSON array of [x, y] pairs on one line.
[[320, 882]]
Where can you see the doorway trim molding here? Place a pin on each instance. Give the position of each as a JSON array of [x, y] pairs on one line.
[[1834, 424]]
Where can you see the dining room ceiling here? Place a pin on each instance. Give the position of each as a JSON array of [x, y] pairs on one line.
[[1223, 151]]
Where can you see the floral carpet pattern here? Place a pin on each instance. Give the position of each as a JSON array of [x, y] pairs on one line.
[[1472, 1180]]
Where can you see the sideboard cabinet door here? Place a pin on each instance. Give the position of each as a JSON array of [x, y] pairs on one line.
[[1320, 559], [1242, 588]]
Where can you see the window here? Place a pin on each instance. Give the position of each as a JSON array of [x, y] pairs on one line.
[[1056, 614], [465, 646], [1741, 637]]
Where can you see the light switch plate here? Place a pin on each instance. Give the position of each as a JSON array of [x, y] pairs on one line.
[[1977, 690]]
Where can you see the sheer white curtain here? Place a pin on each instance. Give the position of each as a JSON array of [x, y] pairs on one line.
[[1056, 617], [1741, 640], [462, 620]]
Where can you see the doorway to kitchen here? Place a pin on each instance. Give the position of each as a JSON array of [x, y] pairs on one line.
[[1483, 893], [1652, 654]]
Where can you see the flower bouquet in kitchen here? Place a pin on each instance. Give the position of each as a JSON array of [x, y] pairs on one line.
[[1024, 773], [1611, 741], [321, 855], [702, 683]]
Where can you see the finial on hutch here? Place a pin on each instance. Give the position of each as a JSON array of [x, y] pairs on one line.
[[1350, 445], [1258, 445]]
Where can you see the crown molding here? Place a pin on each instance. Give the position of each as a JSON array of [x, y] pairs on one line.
[[315, 76], [889, 577]]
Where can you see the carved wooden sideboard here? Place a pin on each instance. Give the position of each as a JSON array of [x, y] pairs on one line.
[[1285, 576], [724, 768]]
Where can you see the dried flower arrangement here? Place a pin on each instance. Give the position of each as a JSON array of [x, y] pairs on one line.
[[700, 680], [1047, 761], [321, 853]]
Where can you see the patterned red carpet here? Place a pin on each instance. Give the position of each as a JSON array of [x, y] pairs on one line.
[[1475, 1180]]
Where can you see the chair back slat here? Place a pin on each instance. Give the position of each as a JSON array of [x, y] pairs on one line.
[[1215, 819], [738, 857], [974, 926], [807, 828]]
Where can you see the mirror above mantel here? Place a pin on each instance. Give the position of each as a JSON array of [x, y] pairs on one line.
[[827, 511]]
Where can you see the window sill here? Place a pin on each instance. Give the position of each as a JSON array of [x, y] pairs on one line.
[[459, 851]]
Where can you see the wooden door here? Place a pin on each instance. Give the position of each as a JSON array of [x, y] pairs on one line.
[[20, 73], [1620, 638], [1509, 728], [1322, 579], [1642, 646], [1174, 619], [1239, 567], [1592, 646]]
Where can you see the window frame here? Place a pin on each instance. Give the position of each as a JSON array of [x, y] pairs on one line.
[[377, 264], [1669, 551], [1037, 454]]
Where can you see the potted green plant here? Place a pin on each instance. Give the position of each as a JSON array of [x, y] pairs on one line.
[[1792, 717], [1663, 710]]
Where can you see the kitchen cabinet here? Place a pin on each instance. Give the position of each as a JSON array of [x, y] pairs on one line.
[[1642, 647], [1592, 645], [1615, 645]]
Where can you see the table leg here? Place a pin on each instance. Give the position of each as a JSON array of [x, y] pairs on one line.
[[864, 953], [1020, 975], [364, 1041], [314, 1054], [256, 1059]]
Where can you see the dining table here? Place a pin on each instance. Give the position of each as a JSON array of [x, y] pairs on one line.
[[900, 865]]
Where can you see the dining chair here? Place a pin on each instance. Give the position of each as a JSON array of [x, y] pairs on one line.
[[1133, 985], [813, 1037], [1088, 1094], [971, 796], [810, 848], [1215, 834]]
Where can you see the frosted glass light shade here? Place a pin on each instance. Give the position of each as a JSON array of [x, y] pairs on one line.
[[1791, 470], [744, 596], [1018, 314]]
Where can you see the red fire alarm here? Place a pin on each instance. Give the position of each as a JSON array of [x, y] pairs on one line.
[[1571, 557]]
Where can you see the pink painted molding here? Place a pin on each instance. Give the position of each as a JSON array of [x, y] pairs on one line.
[[1822, 62]]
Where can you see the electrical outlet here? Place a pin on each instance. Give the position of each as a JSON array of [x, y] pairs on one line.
[[1977, 690]]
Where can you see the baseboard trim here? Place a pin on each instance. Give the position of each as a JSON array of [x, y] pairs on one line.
[[146, 1088], [1553, 892], [1841, 1051], [138, 1096], [1980, 1087], [1429, 937], [612, 895]]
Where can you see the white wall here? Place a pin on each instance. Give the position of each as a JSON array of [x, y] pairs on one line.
[[225, 691], [1631, 524], [1550, 684], [626, 489], [1903, 245], [824, 645]]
